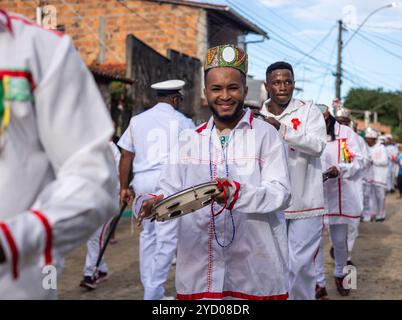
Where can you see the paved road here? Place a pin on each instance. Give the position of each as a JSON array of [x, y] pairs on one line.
[[378, 257]]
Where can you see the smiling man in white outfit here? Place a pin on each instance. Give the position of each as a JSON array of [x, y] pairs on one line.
[[302, 126], [233, 249], [145, 147]]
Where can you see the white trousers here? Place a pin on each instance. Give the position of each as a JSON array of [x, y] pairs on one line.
[[374, 202], [379, 202], [304, 237], [338, 234], [94, 247], [158, 242], [368, 194], [391, 177], [353, 233]]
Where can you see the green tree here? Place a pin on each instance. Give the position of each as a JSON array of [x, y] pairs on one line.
[[387, 104]]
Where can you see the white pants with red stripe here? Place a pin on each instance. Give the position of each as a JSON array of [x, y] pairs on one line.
[[353, 233], [304, 237], [158, 243], [338, 234], [94, 246]]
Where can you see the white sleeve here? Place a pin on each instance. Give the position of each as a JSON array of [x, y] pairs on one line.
[[272, 193], [74, 129], [365, 153], [126, 141], [313, 140]]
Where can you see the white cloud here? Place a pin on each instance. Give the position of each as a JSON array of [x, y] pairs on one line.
[[276, 3], [310, 33], [351, 11]]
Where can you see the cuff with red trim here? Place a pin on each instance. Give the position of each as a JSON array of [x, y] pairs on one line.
[[23, 239], [234, 194], [7, 242]]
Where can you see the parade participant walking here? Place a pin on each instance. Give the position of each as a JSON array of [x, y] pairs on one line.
[[393, 151], [353, 227], [343, 194], [302, 126], [145, 147], [400, 175], [56, 168], [96, 242], [237, 249], [375, 195]]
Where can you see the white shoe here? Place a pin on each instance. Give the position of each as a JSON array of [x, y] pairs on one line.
[[174, 260], [168, 298]]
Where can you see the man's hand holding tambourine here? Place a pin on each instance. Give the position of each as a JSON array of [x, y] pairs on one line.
[[224, 185], [146, 209]]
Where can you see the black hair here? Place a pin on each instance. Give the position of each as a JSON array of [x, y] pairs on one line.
[[331, 127], [243, 77], [279, 65]]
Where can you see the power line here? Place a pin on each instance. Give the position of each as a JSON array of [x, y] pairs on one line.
[[285, 21], [327, 72], [282, 42], [319, 43], [391, 41], [383, 27], [379, 46]]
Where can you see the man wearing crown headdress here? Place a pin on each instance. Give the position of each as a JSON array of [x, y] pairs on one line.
[[237, 247]]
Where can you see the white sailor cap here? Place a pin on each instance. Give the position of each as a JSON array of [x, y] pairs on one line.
[[169, 86], [371, 133]]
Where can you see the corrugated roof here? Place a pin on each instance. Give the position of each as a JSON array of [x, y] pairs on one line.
[[228, 12]]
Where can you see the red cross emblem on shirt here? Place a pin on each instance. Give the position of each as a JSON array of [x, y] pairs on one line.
[[296, 122]]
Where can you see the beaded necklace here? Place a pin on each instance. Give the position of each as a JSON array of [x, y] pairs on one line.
[[211, 172]]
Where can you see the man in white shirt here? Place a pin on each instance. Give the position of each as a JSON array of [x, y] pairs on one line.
[[235, 248], [57, 173], [146, 145], [302, 126], [378, 182]]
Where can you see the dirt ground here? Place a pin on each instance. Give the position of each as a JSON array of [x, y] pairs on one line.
[[377, 256]]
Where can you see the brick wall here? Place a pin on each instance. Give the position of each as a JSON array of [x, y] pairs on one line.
[[161, 26]]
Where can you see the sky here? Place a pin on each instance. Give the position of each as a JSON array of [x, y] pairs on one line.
[[305, 33]]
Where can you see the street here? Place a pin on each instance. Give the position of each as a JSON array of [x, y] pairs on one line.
[[377, 256]]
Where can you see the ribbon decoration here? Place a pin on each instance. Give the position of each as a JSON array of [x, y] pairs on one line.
[[346, 155], [4, 104]]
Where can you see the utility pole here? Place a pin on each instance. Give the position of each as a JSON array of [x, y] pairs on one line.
[[339, 64]]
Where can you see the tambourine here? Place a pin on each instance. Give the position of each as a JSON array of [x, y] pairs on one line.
[[185, 202]]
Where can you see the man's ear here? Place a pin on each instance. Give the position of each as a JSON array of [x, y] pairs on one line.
[[245, 91], [266, 86]]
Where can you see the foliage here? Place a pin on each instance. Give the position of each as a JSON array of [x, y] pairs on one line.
[[387, 104]]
